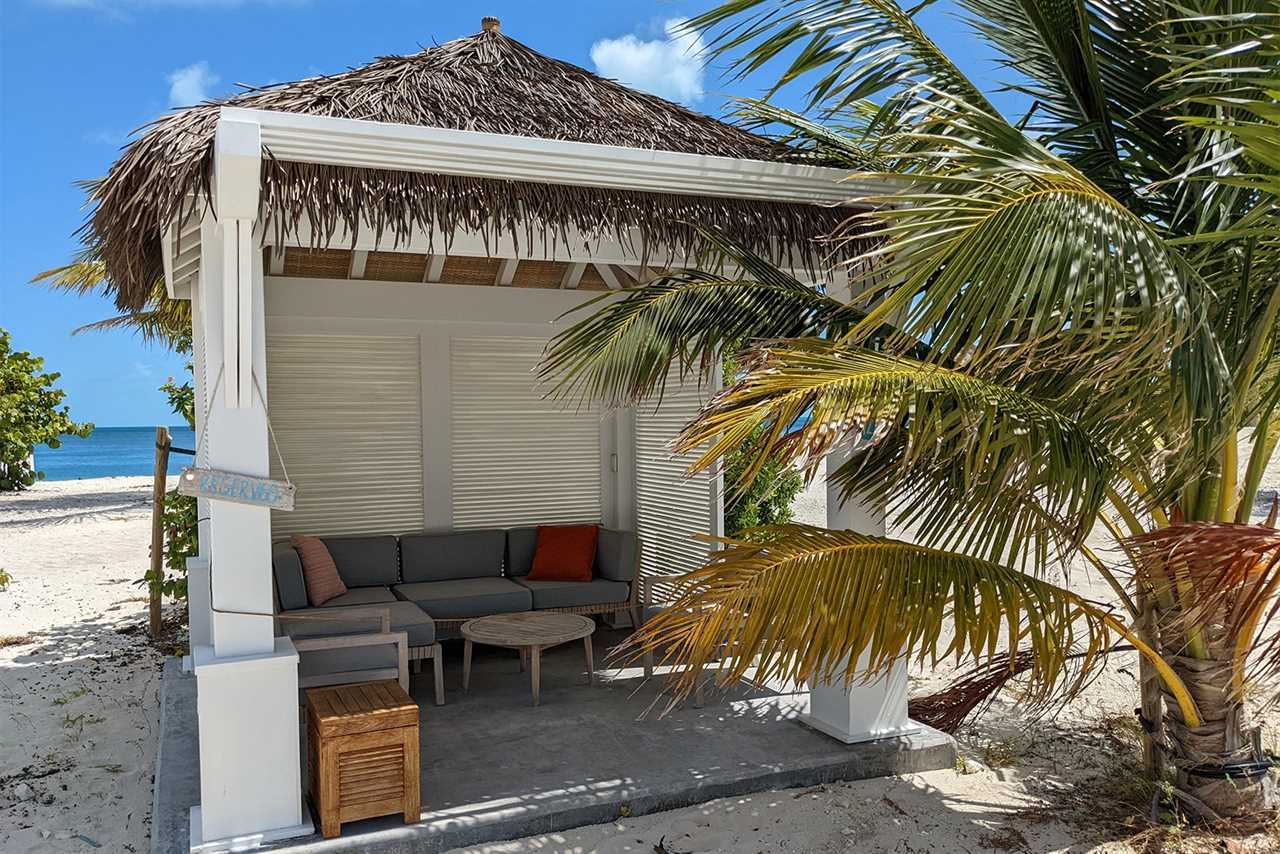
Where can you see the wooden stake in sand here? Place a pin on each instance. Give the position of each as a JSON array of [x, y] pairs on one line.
[[163, 443]]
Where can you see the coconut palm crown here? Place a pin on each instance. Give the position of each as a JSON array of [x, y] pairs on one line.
[[1064, 321]]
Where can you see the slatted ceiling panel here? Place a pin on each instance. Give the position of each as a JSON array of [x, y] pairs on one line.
[[347, 412], [591, 280], [672, 507], [467, 270], [396, 267], [539, 274], [317, 263], [517, 458]]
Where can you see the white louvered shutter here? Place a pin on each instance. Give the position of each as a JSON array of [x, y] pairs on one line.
[[517, 459], [672, 507], [347, 412]]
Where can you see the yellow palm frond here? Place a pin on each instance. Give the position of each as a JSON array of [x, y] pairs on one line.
[[807, 604]]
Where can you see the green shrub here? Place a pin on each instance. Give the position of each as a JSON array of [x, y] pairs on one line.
[[30, 414], [767, 501]]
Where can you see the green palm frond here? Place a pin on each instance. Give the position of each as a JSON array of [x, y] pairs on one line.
[[855, 50], [957, 454], [807, 604], [850, 145], [996, 260], [622, 352]]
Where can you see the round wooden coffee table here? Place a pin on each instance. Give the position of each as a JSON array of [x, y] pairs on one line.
[[530, 632]]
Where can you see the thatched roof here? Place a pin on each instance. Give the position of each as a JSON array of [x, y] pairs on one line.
[[484, 82]]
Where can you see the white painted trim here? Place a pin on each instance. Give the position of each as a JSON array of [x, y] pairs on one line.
[[610, 277], [435, 266], [507, 271], [379, 145], [359, 260], [573, 275]]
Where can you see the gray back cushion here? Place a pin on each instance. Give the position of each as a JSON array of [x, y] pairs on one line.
[[616, 555], [365, 561], [462, 554], [291, 589], [521, 544]]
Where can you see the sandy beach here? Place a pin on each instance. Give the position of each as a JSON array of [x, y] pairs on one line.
[[78, 717]]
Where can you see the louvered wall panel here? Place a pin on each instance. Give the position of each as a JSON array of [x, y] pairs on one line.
[[672, 508], [517, 459], [347, 411]]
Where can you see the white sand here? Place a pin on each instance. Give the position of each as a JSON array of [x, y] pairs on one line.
[[78, 718], [78, 700]]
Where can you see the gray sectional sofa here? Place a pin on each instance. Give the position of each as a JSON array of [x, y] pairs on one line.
[[412, 590]]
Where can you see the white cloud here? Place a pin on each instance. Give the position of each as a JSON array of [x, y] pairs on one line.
[[191, 85], [671, 66]]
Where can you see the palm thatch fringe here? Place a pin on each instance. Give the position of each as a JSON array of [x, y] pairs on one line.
[[485, 82]]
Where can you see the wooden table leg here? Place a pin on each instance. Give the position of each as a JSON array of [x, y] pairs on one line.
[[524, 659], [466, 666], [591, 660], [535, 670]]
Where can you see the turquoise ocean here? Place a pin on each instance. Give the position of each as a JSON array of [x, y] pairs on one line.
[[112, 452]]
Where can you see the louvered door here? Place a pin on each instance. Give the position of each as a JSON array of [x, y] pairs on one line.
[[517, 459], [672, 508], [347, 412]]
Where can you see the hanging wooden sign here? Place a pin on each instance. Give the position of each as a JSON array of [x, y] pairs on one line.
[[239, 488]]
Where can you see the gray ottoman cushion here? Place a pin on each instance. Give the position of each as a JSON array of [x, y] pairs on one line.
[[361, 596], [365, 561], [291, 589], [462, 554], [616, 555], [576, 594], [461, 598], [326, 662], [405, 617]]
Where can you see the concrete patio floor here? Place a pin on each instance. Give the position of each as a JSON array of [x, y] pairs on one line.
[[495, 767]]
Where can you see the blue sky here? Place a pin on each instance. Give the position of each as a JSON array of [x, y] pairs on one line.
[[78, 76]]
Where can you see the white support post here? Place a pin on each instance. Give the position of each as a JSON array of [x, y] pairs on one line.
[[857, 712], [246, 678]]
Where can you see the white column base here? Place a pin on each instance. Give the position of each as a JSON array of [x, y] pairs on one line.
[[247, 841], [860, 712], [250, 760]]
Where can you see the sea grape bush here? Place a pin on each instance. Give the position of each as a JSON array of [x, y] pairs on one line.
[[31, 413]]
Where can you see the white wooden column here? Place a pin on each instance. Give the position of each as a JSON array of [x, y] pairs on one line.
[[247, 679], [857, 712], [200, 615]]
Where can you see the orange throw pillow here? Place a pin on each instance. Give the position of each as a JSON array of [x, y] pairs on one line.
[[319, 572], [564, 553]]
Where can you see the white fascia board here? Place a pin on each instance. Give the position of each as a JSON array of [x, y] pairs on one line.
[[410, 148]]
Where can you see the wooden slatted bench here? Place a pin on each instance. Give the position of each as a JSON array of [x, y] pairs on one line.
[[363, 748]]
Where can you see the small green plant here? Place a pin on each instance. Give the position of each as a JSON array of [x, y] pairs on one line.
[[74, 695], [5, 579], [767, 499]]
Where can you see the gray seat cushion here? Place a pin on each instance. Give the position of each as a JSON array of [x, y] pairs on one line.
[[361, 596], [291, 588], [575, 594], [405, 617], [461, 554], [365, 561], [461, 598]]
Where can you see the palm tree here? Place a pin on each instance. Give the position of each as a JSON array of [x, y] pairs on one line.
[[1063, 320], [162, 319]]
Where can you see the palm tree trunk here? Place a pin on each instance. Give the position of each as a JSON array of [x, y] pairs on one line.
[[1220, 764]]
